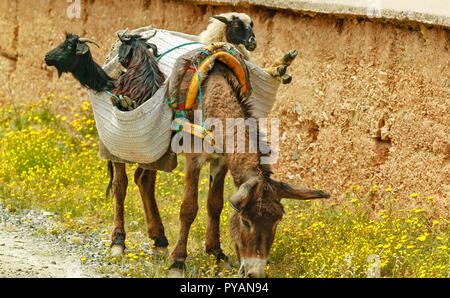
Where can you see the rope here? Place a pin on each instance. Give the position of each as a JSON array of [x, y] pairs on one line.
[[201, 99], [177, 47]]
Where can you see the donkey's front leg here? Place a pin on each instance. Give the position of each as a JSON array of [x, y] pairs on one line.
[[119, 190], [146, 180], [218, 171], [188, 213]]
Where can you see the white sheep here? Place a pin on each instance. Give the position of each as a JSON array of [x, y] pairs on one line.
[[232, 27], [237, 29]]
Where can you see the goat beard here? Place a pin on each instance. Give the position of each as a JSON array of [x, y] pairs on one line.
[[58, 69]]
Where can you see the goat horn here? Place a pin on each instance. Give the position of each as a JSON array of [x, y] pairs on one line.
[[151, 36], [84, 39]]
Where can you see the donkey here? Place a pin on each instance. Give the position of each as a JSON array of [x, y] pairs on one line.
[[257, 203], [73, 55], [257, 195], [142, 71]]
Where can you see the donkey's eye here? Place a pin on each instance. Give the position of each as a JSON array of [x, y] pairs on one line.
[[246, 224]]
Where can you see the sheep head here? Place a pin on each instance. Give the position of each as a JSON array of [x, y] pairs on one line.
[[235, 28]]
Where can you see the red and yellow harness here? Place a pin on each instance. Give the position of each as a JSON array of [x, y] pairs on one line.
[[190, 86]]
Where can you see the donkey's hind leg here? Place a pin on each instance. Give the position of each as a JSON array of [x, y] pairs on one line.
[[218, 171], [146, 179], [119, 190]]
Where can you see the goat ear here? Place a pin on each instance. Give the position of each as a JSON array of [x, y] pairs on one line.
[[240, 199], [126, 51], [289, 191], [221, 18], [82, 48], [154, 49]]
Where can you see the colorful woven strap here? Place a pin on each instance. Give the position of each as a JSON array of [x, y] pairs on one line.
[[205, 67], [183, 124]]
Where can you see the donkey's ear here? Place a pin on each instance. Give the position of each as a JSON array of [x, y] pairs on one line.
[[289, 191], [221, 18], [240, 199]]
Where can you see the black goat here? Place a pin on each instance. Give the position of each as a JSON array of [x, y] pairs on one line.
[[73, 55], [143, 76]]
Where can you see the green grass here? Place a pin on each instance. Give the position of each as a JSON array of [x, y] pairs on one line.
[[50, 163]]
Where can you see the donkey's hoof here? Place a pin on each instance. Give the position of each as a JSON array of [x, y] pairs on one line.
[[176, 273], [220, 256], [286, 79], [117, 250], [177, 269], [222, 261]]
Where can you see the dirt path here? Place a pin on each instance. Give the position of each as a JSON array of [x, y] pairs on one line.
[[27, 249], [25, 255]]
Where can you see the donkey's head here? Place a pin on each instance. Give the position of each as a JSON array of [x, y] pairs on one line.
[[239, 29], [257, 212], [70, 54]]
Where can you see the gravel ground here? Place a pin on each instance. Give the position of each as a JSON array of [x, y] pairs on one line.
[[28, 250]]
